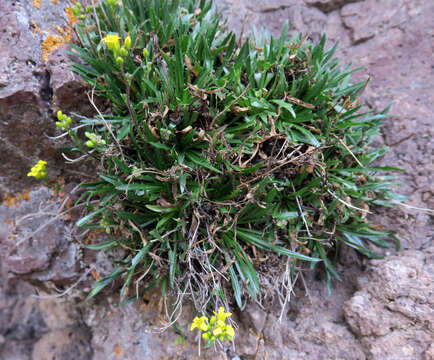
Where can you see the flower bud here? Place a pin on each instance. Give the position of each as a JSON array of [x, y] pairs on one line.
[[119, 61], [59, 115], [127, 43], [145, 52], [123, 52]]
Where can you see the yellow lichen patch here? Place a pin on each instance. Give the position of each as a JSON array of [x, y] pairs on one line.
[[36, 3], [71, 17], [10, 200]]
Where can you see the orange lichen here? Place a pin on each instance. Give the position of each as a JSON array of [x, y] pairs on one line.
[[35, 28], [93, 235], [117, 350], [36, 4], [71, 17], [10, 200], [51, 43], [95, 275], [111, 314], [55, 2]]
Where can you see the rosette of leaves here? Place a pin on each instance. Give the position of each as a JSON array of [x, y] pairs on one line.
[[220, 153]]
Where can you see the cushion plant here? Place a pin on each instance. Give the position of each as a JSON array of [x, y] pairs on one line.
[[218, 156]]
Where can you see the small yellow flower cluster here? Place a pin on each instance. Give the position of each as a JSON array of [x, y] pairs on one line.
[[94, 140], [64, 121], [113, 44], [214, 328], [39, 171], [80, 12]]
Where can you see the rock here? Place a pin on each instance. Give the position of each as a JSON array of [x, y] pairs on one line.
[[21, 323], [328, 5], [35, 241], [362, 27], [57, 312], [28, 34], [64, 344], [69, 90], [256, 316], [132, 332], [393, 312], [389, 317]]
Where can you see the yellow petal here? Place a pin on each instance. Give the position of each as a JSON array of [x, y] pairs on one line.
[[217, 331], [230, 331]]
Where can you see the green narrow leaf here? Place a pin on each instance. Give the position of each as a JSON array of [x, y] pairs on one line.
[[101, 284], [329, 266], [83, 221], [236, 287], [102, 246]]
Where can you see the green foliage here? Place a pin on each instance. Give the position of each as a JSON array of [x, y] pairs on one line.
[[216, 155]]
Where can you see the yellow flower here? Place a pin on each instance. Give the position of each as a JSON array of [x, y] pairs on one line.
[[39, 170], [215, 327], [201, 323], [218, 330], [112, 42], [229, 332], [222, 315]]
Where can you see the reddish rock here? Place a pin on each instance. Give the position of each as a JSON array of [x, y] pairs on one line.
[[64, 344], [389, 317], [393, 310], [35, 241], [69, 90], [26, 91], [328, 5]]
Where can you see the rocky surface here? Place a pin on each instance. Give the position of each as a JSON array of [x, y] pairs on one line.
[[36, 241], [33, 84], [392, 313], [382, 309]]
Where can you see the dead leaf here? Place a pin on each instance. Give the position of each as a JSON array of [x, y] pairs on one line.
[[238, 109]]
